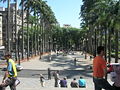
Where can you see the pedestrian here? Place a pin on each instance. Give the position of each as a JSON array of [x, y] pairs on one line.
[[49, 74], [10, 76], [75, 60], [56, 77], [91, 57], [82, 82], [63, 82], [42, 80], [100, 70], [74, 83], [116, 84]]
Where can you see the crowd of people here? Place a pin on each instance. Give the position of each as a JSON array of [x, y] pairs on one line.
[[100, 70]]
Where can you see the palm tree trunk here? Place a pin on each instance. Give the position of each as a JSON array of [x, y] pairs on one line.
[[90, 40], [116, 47], [22, 30], [8, 24], [35, 32], [105, 29], [109, 46], [106, 44], [32, 39], [37, 36], [101, 37], [42, 37], [95, 46], [16, 41], [18, 48], [28, 33]]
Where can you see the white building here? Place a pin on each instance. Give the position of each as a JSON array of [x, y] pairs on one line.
[[66, 25]]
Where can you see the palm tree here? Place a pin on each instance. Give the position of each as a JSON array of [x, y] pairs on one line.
[[22, 14], [104, 16], [16, 42], [42, 11], [28, 32], [116, 15]]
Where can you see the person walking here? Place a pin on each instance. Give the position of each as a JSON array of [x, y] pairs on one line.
[[74, 83], [56, 78], [10, 76], [75, 60], [42, 80], [100, 70]]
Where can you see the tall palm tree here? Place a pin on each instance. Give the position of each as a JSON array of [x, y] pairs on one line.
[[28, 32], [106, 19], [16, 42], [8, 24], [39, 9], [116, 15], [22, 8]]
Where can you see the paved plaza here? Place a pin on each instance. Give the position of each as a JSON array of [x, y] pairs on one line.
[[29, 76]]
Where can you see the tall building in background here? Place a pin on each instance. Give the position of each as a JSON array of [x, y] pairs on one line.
[[3, 11]]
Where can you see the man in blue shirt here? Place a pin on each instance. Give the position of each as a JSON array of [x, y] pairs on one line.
[[82, 82]]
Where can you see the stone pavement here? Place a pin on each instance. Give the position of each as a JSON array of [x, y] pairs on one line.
[[59, 63], [62, 63]]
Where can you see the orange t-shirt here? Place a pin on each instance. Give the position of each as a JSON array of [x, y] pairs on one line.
[[99, 64]]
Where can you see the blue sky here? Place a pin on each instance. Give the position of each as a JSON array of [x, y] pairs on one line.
[[66, 11]]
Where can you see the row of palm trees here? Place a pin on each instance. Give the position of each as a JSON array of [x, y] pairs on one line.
[[67, 38], [101, 23], [36, 28]]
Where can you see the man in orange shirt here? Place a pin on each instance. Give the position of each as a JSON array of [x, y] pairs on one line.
[[100, 70]]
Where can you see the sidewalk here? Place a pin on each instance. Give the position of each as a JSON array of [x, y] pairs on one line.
[[59, 63]]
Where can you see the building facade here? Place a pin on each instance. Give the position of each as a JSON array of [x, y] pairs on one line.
[[66, 25], [13, 32]]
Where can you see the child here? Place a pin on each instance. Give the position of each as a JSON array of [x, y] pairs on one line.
[[42, 80]]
